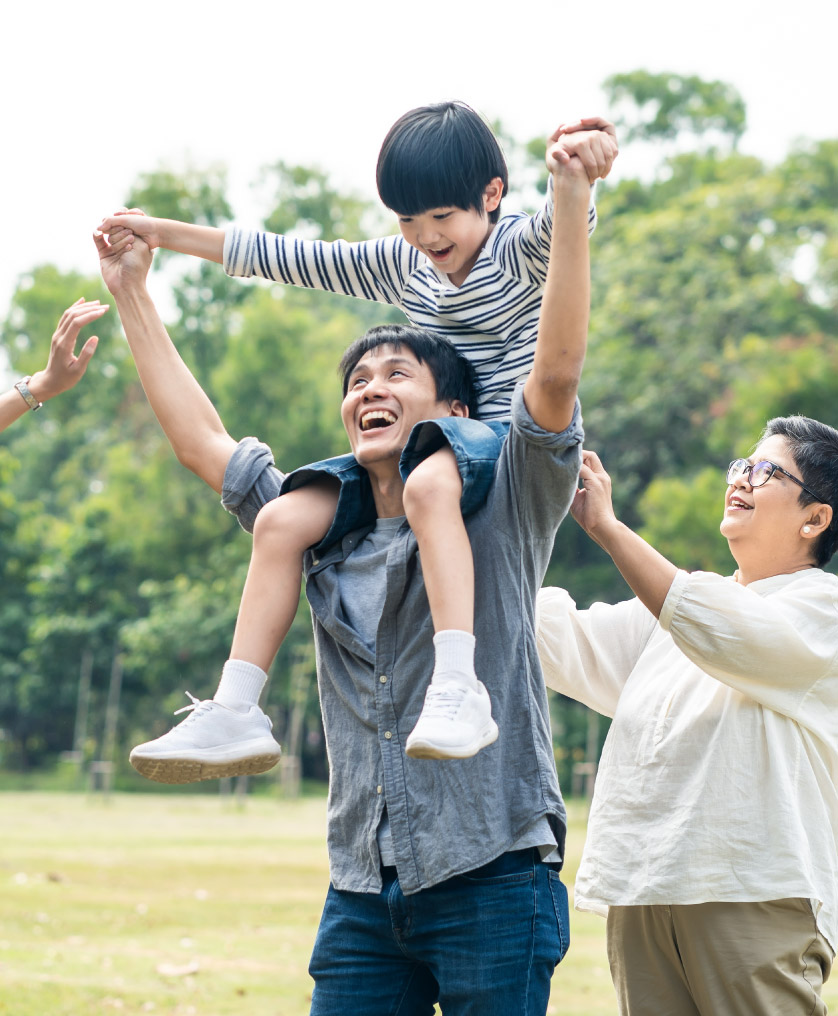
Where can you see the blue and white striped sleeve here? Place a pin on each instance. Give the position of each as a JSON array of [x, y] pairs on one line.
[[522, 243], [375, 270]]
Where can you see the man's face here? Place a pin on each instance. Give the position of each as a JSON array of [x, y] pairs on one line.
[[388, 392]]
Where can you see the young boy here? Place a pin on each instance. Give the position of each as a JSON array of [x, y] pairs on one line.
[[457, 268]]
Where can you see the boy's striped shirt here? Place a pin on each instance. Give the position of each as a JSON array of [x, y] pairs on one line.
[[492, 318]]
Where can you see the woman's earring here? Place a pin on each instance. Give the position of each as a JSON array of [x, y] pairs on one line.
[[807, 529]]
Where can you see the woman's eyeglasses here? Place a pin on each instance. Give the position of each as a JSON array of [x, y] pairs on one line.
[[760, 473]]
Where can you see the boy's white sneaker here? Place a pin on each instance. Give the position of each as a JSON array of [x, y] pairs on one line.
[[455, 722], [213, 741]]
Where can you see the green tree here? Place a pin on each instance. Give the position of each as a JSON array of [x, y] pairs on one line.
[[307, 205], [715, 306], [666, 105], [206, 299]]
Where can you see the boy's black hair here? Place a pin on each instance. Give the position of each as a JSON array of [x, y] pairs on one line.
[[453, 374], [814, 448], [439, 155]]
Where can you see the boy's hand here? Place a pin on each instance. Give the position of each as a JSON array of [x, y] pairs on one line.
[[64, 369], [593, 140], [132, 222], [124, 262], [585, 123], [205, 242]]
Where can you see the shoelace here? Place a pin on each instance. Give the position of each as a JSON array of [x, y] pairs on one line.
[[442, 703], [198, 706], [194, 707]]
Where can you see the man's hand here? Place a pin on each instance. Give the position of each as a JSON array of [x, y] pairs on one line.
[[64, 369], [135, 222], [593, 140], [124, 260]]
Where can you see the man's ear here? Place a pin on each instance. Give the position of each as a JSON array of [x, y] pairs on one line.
[[492, 195]]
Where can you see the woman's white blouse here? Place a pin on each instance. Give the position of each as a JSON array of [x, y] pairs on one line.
[[719, 776]]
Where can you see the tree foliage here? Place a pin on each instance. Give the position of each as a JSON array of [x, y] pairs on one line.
[[715, 307], [663, 106]]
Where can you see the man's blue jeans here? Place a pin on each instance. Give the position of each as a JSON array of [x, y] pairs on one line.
[[481, 944]]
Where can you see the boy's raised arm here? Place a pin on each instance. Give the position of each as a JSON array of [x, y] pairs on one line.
[[550, 390], [188, 418], [205, 242]]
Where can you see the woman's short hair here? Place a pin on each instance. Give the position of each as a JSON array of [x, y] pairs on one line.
[[453, 374], [438, 156], [814, 448]]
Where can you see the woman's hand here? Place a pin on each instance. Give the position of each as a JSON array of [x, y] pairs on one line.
[[64, 369], [648, 573], [592, 507]]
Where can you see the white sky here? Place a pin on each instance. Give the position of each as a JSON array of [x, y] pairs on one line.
[[97, 92]]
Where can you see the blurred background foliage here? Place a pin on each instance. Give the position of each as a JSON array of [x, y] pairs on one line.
[[715, 307]]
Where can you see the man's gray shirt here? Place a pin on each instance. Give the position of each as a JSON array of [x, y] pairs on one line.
[[446, 817]]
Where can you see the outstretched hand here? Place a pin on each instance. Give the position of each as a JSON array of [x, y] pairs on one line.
[[124, 259], [593, 140], [64, 369], [592, 507]]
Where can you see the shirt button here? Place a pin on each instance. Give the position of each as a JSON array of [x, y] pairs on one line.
[[378, 789], [383, 679], [315, 562], [387, 734]]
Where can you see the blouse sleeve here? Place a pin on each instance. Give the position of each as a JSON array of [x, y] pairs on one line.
[[774, 640], [588, 655]]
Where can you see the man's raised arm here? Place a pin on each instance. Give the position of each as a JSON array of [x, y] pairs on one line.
[[185, 413], [550, 389]]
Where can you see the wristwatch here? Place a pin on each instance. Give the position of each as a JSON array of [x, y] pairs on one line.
[[27, 396]]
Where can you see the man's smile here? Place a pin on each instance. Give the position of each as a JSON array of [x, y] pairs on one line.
[[375, 419]]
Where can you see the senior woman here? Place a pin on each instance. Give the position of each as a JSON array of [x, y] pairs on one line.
[[713, 836]]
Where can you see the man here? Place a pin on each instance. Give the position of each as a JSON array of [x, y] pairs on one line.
[[444, 874]]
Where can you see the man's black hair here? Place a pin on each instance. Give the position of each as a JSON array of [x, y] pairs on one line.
[[453, 374], [439, 155], [814, 448]]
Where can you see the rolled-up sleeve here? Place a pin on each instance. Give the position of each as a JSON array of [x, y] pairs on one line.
[[537, 472], [250, 481]]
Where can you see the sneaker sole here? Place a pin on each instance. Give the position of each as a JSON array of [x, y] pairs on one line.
[[191, 770], [426, 749]]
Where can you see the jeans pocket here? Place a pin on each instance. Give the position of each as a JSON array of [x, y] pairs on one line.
[[558, 892], [514, 866]]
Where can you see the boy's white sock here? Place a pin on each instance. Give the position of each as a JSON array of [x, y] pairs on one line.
[[454, 657], [241, 685]]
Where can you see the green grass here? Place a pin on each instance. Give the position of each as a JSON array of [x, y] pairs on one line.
[[190, 906]]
